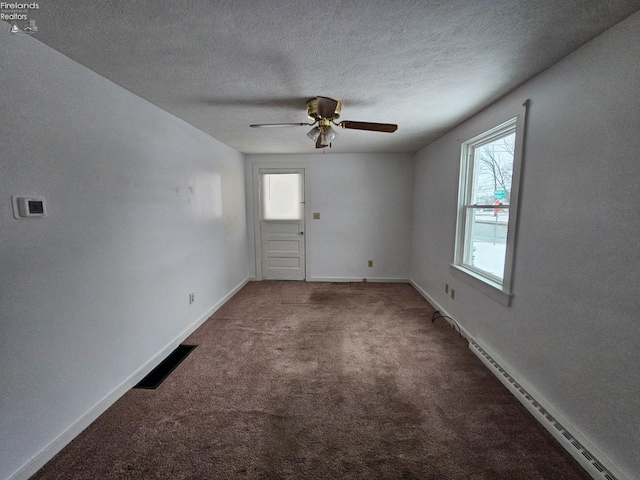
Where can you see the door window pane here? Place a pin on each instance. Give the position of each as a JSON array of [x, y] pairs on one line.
[[282, 196]]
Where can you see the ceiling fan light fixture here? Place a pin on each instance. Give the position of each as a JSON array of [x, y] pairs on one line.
[[330, 134], [314, 133], [327, 135]]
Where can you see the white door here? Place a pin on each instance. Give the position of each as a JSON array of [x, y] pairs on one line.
[[282, 238]]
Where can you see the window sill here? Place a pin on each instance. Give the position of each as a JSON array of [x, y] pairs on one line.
[[487, 287]]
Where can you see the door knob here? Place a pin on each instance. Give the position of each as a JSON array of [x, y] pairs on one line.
[[301, 233]]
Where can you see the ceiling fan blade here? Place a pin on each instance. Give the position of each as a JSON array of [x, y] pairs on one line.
[[326, 107], [261, 125], [374, 127]]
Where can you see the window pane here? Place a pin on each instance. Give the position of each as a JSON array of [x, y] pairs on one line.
[[486, 242], [282, 196], [492, 171]]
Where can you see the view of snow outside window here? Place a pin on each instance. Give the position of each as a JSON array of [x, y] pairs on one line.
[[487, 226]]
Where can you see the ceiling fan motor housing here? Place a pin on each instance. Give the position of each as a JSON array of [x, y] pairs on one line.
[[312, 110]]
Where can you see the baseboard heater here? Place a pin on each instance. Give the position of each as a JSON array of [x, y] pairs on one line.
[[578, 451], [168, 365]]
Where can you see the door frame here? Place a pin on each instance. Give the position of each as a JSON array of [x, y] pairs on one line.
[[278, 167]]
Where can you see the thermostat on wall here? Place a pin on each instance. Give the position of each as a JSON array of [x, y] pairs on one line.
[[29, 207]]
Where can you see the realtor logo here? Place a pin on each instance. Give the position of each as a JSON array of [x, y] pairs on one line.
[[29, 29], [17, 13]]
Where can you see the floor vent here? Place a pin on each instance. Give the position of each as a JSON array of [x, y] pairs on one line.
[[564, 437], [168, 365]]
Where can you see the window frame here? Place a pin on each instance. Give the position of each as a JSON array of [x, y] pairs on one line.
[[513, 121]]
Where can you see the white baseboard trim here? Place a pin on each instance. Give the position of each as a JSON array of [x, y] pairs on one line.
[[358, 279], [37, 462], [195, 325], [580, 448]]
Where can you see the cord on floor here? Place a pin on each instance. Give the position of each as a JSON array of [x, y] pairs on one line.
[[436, 315]]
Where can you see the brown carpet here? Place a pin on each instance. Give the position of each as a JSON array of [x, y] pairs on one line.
[[295, 380]]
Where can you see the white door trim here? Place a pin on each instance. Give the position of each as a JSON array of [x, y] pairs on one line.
[[257, 167]]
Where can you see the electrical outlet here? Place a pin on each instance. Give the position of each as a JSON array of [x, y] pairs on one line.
[[192, 298], [446, 288], [316, 216], [453, 294], [370, 263]]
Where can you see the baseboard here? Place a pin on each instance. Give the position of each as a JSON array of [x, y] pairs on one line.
[[195, 325], [37, 462], [358, 279], [580, 448]]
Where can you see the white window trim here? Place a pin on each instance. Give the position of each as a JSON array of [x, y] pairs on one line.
[[499, 292]]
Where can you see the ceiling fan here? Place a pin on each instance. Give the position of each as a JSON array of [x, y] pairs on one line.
[[324, 112]]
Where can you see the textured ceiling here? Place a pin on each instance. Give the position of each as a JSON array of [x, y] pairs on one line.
[[222, 65]]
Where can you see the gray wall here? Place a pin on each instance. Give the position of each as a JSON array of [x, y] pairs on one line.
[[572, 330], [365, 204], [143, 209]]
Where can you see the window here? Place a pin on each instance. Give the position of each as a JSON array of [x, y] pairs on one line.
[[487, 208], [282, 196]]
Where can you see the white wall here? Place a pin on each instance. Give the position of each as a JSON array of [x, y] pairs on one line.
[[364, 201], [143, 209], [572, 330]]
